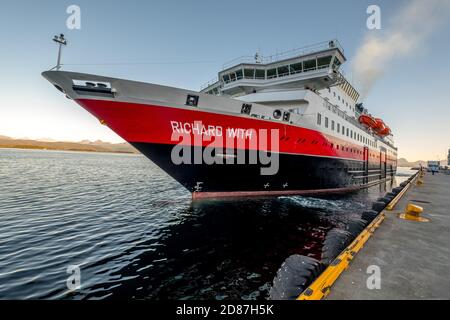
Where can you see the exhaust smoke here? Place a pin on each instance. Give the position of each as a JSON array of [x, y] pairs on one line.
[[408, 30]]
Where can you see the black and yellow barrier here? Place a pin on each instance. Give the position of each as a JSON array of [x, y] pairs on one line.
[[394, 202], [321, 287]]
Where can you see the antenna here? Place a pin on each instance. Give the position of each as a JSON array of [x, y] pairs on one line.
[[62, 42]]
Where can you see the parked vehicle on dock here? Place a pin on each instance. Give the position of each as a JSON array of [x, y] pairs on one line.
[[433, 166]]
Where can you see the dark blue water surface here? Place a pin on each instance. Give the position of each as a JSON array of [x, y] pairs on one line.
[[135, 233]]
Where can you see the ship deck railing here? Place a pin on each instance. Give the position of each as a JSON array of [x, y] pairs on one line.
[[302, 51]]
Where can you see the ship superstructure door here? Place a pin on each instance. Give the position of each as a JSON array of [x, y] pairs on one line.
[[366, 165], [383, 165]]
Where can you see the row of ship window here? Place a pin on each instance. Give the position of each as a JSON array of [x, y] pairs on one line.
[[281, 71], [345, 131], [342, 100]]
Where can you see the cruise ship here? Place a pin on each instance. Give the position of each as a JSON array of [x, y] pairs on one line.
[[288, 124]]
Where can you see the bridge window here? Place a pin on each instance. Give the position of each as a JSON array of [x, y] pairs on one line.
[[239, 74], [233, 76], [324, 61], [249, 73], [283, 71], [260, 74], [336, 63], [296, 68], [310, 65], [271, 73], [226, 78]]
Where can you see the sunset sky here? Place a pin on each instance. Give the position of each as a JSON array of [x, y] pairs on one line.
[[185, 43]]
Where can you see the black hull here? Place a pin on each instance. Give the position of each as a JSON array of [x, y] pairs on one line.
[[297, 174]]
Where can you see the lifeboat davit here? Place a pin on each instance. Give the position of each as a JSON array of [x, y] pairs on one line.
[[367, 120]]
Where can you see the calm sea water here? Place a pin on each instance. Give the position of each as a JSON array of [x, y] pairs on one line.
[[135, 233]]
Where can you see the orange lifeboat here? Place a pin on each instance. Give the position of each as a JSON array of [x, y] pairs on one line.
[[367, 120], [379, 125], [385, 132]]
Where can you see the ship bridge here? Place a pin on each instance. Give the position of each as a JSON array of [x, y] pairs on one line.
[[314, 67]]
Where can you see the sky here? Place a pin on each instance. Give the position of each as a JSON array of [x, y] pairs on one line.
[[185, 43]]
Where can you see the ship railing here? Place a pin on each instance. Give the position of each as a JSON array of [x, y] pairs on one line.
[[210, 83], [259, 59]]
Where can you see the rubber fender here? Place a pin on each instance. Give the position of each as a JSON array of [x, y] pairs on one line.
[[369, 215], [355, 227], [385, 200], [397, 190], [378, 206], [335, 241], [391, 195], [295, 275]]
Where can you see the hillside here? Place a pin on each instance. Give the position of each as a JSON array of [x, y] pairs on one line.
[[402, 162], [87, 146]]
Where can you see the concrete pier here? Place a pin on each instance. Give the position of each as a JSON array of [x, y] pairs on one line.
[[413, 257]]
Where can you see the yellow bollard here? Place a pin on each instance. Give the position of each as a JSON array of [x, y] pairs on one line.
[[413, 213]]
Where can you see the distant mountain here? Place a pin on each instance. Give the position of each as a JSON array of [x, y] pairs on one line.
[[85, 145], [402, 162]]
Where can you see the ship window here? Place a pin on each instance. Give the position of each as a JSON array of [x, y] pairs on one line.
[[343, 130], [283, 71], [226, 78], [286, 116], [332, 125], [192, 100], [336, 63], [260, 74], [326, 122], [233, 76], [324, 61], [249, 73], [271, 73], [310, 65], [347, 132], [319, 119], [246, 108], [239, 74], [338, 128], [296, 68]]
